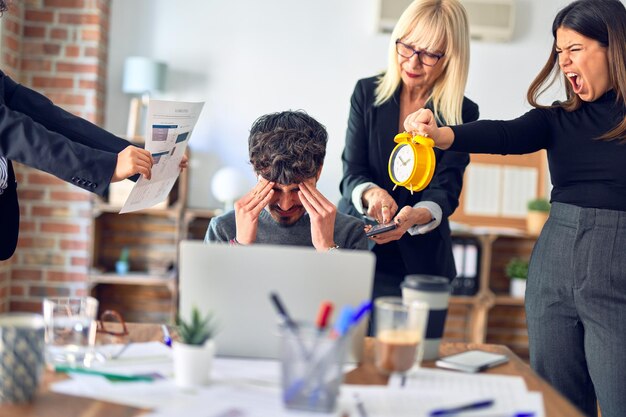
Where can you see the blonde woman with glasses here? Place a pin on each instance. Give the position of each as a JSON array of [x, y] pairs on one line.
[[427, 67]]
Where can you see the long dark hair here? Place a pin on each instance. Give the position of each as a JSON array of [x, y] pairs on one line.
[[600, 20]]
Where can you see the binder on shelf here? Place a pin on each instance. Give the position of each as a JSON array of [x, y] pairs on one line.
[[466, 253]]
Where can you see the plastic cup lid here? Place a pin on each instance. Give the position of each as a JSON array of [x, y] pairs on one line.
[[428, 283]]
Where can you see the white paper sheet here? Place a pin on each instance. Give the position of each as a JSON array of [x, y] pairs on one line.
[[251, 388], [170, 125]]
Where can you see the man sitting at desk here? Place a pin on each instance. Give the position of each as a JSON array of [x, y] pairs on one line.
[[287, 152]]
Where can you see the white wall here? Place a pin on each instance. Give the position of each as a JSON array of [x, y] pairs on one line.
[[246, 58]]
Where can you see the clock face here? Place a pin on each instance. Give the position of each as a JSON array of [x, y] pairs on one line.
[[403, 161]]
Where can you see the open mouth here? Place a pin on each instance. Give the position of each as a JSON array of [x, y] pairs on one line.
[[576, 81]]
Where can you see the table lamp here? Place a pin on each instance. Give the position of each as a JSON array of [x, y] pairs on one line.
[[142, 77], [227, 185]]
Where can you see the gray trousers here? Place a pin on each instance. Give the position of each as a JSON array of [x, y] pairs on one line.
[[576, 307]]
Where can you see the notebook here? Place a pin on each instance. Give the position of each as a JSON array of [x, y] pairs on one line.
[[234, 283]]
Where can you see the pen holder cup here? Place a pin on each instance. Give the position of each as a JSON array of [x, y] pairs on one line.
[[312, 368]]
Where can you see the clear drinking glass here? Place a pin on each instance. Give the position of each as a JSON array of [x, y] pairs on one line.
[[399, 331], [70, 330]]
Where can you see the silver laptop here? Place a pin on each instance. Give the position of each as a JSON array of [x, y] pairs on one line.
[[234, 283]]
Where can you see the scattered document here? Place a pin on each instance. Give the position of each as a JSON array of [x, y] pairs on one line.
[[251, 388], [170, 125]]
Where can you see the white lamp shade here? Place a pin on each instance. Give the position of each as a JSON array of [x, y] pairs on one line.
[[143, 75], [228, 184]]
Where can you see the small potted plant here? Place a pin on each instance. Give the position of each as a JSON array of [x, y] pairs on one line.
[[122, 265], [517, 271], [538, 210], [194, 351]]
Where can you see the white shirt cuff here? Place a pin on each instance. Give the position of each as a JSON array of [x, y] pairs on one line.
[[357, 194], [435, 212]]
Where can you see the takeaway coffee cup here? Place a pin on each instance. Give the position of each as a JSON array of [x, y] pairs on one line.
[[435, 291], [21, 356]]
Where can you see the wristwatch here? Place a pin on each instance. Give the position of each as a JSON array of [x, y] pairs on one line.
[[333, 248]]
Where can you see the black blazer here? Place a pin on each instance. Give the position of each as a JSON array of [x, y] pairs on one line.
[[35, 132], [369, 142], [9, 216]]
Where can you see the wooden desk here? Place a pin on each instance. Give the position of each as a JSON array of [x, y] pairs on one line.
[[49, 404]]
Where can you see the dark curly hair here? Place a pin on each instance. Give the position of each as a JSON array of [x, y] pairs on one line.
[[4, 6], [287, 147]]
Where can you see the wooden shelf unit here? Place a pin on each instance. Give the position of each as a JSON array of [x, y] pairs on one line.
[[491, 315], [149, 291]]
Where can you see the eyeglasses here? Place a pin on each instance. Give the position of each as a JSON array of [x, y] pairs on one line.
[[426, 58]]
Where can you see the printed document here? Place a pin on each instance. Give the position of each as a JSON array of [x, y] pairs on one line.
[[170, 125]]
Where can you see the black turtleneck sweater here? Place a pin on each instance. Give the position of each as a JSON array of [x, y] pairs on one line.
[[585, 171]]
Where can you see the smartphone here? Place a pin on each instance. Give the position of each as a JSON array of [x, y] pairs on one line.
[[472, 361], [380, 228]]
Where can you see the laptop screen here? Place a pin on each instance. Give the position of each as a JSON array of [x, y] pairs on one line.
[[234, 284]]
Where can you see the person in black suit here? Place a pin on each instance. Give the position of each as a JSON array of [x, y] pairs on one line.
[[35, 132], [428, 66]]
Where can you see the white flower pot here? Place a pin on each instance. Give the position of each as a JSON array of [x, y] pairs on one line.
[[192, 364], [518, 287]]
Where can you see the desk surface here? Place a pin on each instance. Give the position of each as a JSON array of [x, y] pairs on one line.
[[49, 404]]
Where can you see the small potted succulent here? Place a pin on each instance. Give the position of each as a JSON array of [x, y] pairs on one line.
[[194, 351], [517, 271], [122, 265], [538, 210]]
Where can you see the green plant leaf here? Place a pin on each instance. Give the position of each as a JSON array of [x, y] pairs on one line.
[[517, 268], [197, 330], [539, 204]]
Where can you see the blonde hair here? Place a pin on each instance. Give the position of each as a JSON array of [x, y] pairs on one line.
[[428, 23]]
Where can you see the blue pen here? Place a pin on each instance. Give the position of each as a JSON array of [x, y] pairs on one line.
[[166, 336], [467, 407]]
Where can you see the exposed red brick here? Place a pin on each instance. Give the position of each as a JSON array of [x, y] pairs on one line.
[[58, 33], [52, 211], [81, 292], [66, 99], [39, 16], [66, 276], [20, 274], [74, 68], [77, 195], [75, 4], [45, 291], [91, 52], [12, 26], [26, 194], [51, 82], [72, 51], [26, 306], [17, 290], [79, 18], [38, 177], [73, 245], [87, 84], [79, 261], [90, 35], [26, 226], [35, 64], [34, 31], [42, 258], [36, 243], [10, 43], [53, 227], [38, 48]]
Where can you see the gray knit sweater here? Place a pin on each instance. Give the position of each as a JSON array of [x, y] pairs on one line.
[[349, 232]]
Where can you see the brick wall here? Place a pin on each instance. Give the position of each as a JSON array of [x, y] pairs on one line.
[[59, 48]]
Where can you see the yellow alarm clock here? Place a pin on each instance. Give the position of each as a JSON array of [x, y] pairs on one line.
[[412, 162]]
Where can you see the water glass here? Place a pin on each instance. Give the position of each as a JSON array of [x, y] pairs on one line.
[[399, 330], [70, 324]]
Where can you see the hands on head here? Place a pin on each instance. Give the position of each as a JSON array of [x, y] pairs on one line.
[[382, 207], [281, 200], [133, 160], [322, 213]]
